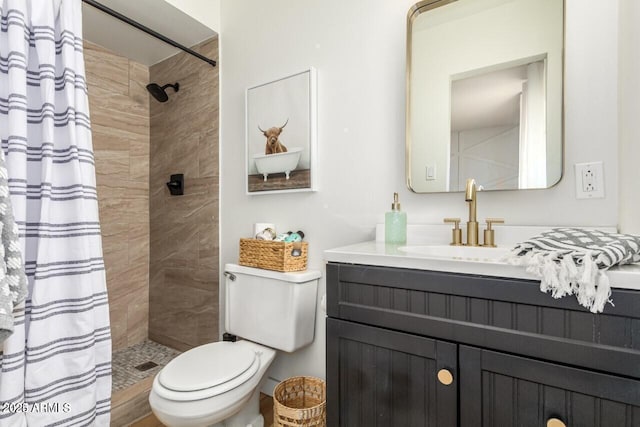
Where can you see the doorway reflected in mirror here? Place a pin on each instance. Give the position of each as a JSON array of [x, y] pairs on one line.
[[498, 127]]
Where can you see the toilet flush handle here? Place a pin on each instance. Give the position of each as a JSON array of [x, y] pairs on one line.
[[231, 276]]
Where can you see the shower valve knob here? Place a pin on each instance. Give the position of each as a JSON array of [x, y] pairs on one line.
[[176, 184]]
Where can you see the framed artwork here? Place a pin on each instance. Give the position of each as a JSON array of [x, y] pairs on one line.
[[281, 135]]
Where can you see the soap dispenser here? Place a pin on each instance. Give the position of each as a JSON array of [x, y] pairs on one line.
[[395, 224]]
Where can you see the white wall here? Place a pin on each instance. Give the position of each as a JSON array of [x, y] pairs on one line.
[[358, 48], [629, 123], [205, 11]]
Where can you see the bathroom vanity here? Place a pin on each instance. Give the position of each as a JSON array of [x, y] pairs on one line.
[[445, 341]]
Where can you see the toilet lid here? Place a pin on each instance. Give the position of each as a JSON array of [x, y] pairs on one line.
[[206, 366]]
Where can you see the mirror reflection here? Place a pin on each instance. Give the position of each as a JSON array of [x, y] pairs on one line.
[[484, 94]]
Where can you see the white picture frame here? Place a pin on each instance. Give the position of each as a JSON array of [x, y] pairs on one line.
[[281, 113]]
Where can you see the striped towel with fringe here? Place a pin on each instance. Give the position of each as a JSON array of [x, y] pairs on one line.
[[573, 261]]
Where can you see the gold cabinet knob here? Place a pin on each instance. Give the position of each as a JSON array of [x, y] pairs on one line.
[[445, 377], [555, 422]]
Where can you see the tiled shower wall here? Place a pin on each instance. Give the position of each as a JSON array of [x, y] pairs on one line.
[[183, 283], [119, 107]]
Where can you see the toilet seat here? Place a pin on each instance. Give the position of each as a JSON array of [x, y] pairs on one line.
[[206, 371]]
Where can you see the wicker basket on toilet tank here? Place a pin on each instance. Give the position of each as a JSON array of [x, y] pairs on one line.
[[271, 255]]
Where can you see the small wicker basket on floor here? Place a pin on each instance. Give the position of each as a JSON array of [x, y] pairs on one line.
[[300, 401], [270, 255]]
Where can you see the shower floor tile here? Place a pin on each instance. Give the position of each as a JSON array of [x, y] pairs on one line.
[[124, 363]]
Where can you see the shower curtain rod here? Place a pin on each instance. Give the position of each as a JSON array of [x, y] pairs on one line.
[[147, 30]]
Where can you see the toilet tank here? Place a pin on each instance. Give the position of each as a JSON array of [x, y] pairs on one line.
[[271, 308]]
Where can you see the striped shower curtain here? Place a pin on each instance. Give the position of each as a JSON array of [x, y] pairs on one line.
[[56, 367]]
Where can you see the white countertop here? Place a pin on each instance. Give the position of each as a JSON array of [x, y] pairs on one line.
[[381, 254]]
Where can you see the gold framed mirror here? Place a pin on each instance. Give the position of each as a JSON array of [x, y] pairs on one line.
[[484, 94]]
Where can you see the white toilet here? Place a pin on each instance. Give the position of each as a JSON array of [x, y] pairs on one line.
[[218, 384]]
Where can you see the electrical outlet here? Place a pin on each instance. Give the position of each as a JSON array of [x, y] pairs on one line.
[[588, 176], [589, 180]]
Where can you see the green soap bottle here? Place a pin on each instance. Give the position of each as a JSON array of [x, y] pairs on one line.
[[395, 224]]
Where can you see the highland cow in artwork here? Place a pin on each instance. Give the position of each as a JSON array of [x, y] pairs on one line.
[[274, 145]]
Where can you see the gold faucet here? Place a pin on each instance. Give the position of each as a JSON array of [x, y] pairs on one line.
[[472, 224], [470, 196]]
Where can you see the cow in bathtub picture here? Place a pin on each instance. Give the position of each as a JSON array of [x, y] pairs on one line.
[[276, 158], [280, 135], [277, 166]]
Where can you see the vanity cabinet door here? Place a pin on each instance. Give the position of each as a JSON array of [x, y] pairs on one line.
[[507, 390], [382, 378]]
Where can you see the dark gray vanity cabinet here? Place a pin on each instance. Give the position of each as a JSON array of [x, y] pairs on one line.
[[516, 357], [507, 390], [388, 378]]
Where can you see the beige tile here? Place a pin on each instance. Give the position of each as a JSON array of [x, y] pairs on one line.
[[110, 165], [207, 326], [138, 236], [114, 209], [184, 156], [140, 146], [106, 70], [130, 410], [183, 245], [208, 248], [159, 163], [122, 188], [201, 187], [156, 276], [138, 80], [158, 221], [161, 338], [129, 281], [138, 209], [123, 396], [130, 122], [118, 318], [112, 138], [138, 318], [139, 169], [186, 310], [114, 235], [121, 126], [118, 105], [160, 248], [208, 159], [201, 278], [116, 259], [183, 288]]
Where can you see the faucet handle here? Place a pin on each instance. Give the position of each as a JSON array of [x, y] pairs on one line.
[[456, 233], [455, 221], [491, 221], [489, 233]]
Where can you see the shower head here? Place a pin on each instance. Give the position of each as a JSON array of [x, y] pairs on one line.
[[160, 93]]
